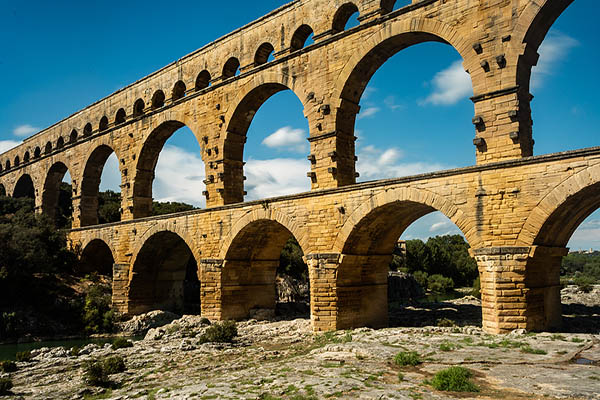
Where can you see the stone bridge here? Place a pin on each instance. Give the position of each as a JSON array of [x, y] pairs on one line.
[[516, 211]]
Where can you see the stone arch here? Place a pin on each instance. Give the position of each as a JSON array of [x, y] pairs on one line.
[[96, 256], [7, 165], [51, 189], [17, 161], [251, 257], [24, 187], [26, 157], [178, 91], [250, 98], [147, 159], [120, 116], [98, 237], [262, 54], [158, 99], [37, 152], [231, 68], [159, 271], [103, 125], [342, 16], [138, 108], [300, 36], [87, 130], [73, 136], [202, 80], [556, 217], [388, 5], [48, 148], [60, 143], [90, 183]]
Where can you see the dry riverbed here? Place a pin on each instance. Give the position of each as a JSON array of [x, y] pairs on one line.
[[285, 360]]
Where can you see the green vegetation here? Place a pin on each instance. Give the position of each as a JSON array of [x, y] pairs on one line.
[[291, 262], [220, 332], [97, 314], [5, 386], [114, 365], [453, 379], [8, 366], [446, 323], [121, 343], [23, 356], [581, 269], [405, 358], [96, 373], [530, 350]]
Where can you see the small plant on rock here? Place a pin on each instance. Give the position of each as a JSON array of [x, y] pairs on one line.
[[95, 374], [121, 343], [446, 323], [8, 366], [405, 358], [454, 379], [223, 332], [23, 356], [114, 365], [5, 386]]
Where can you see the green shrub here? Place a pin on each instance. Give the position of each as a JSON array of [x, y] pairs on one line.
[[95, 374], [97, 315], [454, 379], [447, 346], [23, 356], [421, 278], [476, 292], [5, 385], [440, 284], [121, 343], [75, 351], [8, 366], [223, 332], [446, 323], [530, 350], [407, 358], [585, 283], [114, 365]]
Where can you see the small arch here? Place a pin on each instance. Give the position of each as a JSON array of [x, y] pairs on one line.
[[26, 157], [87, 130], [103, 124], [60, 143], [120, 117], [7, 165], [203, 80], [178, 91], [73, 136], [231, 68], [1, 168], [263, 53], [51, 191], [158, 99], [300, 36], [24, 188], [48, 148], [17, 161], [96, 257], [391, 5], [138, 108], [2, 188], [37, 153], [342, 16]]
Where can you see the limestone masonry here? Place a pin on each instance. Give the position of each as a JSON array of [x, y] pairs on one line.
[[516, 211]]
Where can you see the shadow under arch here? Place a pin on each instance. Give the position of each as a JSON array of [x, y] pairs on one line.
[[90, 184], [252, 96], [251, 259], [164, 276], [51, 190], [96, 257], [146, 165], [24, 187]]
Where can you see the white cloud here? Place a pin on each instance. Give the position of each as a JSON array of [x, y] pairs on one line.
[[434, 224], [587, 235], [179, 176], [6, 145], [276, 177], [439, 226], [25, 130], [288, 138], [554, 48], [368, 112], [375, 163], [390, 103], [368, 92], [450, 86], [111, 176]]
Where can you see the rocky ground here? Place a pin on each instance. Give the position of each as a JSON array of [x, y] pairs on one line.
[[285, 360]]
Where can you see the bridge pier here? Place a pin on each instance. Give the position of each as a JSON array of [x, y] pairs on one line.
[[520, 288]]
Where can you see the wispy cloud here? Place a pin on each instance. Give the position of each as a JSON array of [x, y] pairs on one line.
[[554, 48], [449, 86], [390, 102], [439, 226], [375, 163], [288, 138], [24, 130], [6, 145], [368, 112], [276, 177], [179, 176]]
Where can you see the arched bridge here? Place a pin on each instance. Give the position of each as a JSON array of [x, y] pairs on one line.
[[516, 211]]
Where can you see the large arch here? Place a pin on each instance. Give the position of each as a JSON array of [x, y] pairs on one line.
[[24, 187], [96, 257], [90, 184], [249, 100], [51, 190], [146, 165], [163, 274], [251, 258]]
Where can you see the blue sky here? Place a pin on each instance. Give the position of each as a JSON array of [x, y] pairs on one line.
[[58, 57]]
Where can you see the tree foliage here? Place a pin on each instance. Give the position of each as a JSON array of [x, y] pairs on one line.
[[291, 262]]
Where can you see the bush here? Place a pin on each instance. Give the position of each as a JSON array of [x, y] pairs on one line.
[[223, 332], [121, 343], [476, 292], [446, 323], [454, 379], [97, 315], [95, 374], [585, 283], [8, 366], [204, 321], [23, 356], [75, 351], [5, 385], [440, 284], [114, 365], [421, 278], [407, 358]]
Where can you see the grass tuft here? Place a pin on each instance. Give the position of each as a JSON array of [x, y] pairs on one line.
[[405, 358], [454, 379]]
